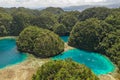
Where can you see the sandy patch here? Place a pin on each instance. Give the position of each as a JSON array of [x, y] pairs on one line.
[[67, 47], [22, 71]]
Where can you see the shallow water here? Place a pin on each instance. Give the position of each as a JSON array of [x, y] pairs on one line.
[[9, 54], [97, 63]]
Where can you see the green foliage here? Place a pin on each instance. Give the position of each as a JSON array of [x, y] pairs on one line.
[[53, 10], [46, 21], [20, 21], [73, 13], [64, 70], [40, 42], [114, 19], [87, 34], [110, 46], [16, 19], [5, 24], [96, 12], [99, 36], [60, 29], [3, 31], [68, 20]]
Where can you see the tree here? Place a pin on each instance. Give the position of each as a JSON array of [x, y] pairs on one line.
[[20, 21], [44, 21], [110, 46], [53, 10], [68, 20], [95, 12], [73, 13], [3, 31], [114, 19], [5, 23], [64, 70], [87, 34], [40, 42], [60, 29]]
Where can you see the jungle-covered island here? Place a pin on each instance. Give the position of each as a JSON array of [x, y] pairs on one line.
[[37, 33]]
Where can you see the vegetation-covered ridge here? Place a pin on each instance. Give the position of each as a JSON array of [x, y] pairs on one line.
[[64, 70], [102, 36], [40, 42], [14, 20]]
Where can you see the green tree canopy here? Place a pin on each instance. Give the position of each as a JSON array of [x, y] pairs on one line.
[[114, 19], [96, 12], [110, 46], [20, 21], [44, 21], [68, 20], [5, 23], [60, 29], [53, 10], [87, 34], [3, 31], [64, 70], [40, 42]]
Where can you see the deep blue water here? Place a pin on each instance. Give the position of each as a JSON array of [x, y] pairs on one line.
[[64, 38], [98, 63], [9, 54]]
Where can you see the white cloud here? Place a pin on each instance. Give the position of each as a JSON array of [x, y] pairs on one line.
[[46, 3]]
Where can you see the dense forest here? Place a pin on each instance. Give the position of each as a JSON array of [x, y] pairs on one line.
[[40, 42], [64, 70], [94, 29]]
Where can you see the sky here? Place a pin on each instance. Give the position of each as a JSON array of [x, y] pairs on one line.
[[53, 3]]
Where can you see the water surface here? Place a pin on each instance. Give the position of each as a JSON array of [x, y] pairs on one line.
[[97, 63], [9, 54], [64, 38]]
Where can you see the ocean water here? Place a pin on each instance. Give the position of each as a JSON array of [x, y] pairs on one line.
[[97, 63], [9, 54]]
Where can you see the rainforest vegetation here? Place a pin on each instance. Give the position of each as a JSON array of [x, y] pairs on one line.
[[64, 70], [40, 42], [94, 29]]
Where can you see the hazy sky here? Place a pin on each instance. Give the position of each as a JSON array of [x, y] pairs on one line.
[[54, 3]]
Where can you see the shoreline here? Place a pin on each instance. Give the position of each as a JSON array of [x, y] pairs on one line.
[[23, 70], [8, 37], [10, 65], [108, 76], [33, 63]]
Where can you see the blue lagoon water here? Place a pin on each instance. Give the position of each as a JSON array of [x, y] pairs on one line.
[[9, 54], [64, 38], [97, 63]]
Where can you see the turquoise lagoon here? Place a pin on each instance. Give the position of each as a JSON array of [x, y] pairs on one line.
[[64, 38], [9, 54], [98, 63]]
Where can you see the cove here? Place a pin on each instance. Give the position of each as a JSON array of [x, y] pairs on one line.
[[98, 63], [9, 54]]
